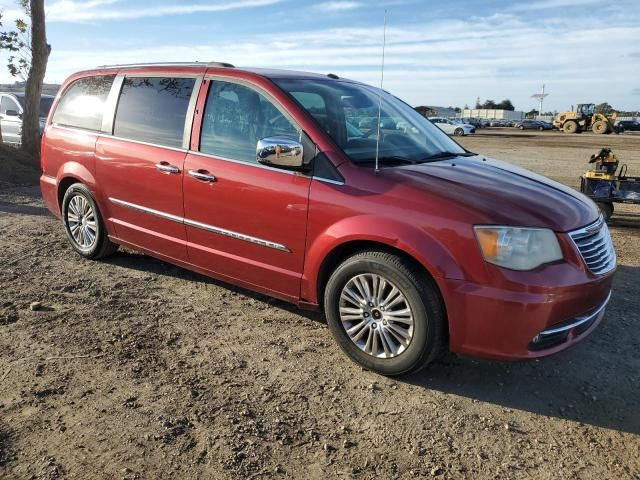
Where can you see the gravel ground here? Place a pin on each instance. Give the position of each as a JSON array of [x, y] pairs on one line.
[[132, 368]]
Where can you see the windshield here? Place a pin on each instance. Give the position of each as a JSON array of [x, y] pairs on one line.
[[348, 112], [45, 104]]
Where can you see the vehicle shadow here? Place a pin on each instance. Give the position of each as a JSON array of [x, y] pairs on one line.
[[595, 382], [131, 259], [10, 207]]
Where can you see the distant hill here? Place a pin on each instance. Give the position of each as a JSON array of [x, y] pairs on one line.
[[47, 88]]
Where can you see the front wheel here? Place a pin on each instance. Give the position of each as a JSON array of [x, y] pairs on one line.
[[458, 132], [570, 127], [83, 223], [600, 127], [385, 313]]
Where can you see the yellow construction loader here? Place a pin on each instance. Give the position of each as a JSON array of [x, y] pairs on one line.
[[584, 119]]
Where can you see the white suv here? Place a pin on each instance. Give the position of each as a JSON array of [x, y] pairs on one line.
[[451, 127]]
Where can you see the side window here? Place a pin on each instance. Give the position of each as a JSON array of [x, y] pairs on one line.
[[7, 103], [235, 118], [153, 109], [82, 104], [316, 106]]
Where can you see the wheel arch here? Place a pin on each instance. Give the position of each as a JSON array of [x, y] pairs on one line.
[[344, 250], [70, 173], [327, 250]]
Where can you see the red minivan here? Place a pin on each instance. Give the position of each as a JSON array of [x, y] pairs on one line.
[[267, 179]]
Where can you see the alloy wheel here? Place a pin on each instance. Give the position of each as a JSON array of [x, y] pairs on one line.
[[376, 315], [82, 223]]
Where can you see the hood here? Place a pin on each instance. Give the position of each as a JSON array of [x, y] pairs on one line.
[[500, 193]]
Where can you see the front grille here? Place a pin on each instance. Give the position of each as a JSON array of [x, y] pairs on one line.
[[595, 246]]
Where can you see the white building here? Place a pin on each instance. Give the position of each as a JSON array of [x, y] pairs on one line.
[[492, 113]]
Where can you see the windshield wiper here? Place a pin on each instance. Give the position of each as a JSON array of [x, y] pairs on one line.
[[443, 155], [390, 159]]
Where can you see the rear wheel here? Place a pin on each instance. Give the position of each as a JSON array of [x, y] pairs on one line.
[[606, 208], [600, 127], [385, 313], [458, 132], [541, 128], [83, 223], [570, 127]]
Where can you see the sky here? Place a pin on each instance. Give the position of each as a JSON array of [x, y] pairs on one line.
[[437, 52]]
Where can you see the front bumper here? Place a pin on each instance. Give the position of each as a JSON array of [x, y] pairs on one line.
[[491, 322]]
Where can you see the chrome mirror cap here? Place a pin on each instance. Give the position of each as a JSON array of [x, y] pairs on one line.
[[279, 152]]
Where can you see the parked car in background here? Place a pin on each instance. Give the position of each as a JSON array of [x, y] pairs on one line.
[[627, 125], [546, 125], [476, 122], [11, 110], [258, 177], [452, 128], [497, 122], [533, 125]]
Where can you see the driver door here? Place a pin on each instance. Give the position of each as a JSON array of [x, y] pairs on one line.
[[246, 222]]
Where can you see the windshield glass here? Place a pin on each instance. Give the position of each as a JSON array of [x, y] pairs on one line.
[[348, 112], [45, 104]]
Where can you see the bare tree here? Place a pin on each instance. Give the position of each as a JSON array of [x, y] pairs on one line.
[[40, 51]]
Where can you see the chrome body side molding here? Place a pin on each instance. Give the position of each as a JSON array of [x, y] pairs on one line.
[[203, 226]]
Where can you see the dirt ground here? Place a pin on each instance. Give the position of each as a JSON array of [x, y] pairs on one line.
[[132, 368]]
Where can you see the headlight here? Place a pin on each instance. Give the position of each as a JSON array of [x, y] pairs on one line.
[[518, 248]]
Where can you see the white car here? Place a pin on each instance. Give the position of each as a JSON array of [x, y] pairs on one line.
[[452, 128]]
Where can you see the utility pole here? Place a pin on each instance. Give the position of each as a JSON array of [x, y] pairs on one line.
[[540, 96]]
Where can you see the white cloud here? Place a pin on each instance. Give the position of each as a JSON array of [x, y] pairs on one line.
[[546, 4], [94, 10], [338, 6], [440, 62]]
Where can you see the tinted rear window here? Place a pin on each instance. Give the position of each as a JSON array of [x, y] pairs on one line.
[[82, 104], [153, 109]]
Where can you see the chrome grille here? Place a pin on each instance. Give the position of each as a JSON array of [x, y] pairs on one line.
[[595, 246]]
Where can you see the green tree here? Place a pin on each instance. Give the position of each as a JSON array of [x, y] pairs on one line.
[[505, 105], [604, 108]]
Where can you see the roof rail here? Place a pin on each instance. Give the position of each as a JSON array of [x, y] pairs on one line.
[[169, 64]]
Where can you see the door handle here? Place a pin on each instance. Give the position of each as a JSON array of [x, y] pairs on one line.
[[165, 167], [202, 176]]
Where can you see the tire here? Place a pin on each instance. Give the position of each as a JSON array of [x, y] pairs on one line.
[[458, 132], [600, 127], [84, 225], [570, 127], [521, 127], [541, 128], [606, 208], [424, 335]]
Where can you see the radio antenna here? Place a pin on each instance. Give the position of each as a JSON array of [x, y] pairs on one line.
[[384, 43]]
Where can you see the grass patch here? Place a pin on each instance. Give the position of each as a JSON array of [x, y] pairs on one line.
[[18, 167]]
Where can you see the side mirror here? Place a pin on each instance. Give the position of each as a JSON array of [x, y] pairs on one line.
[[12, 113], [279, 152]]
